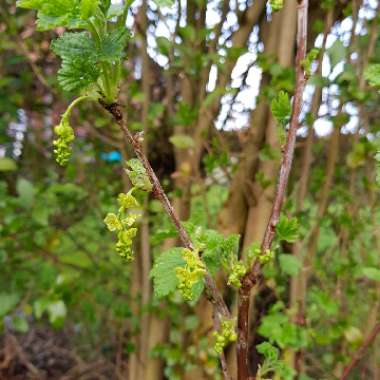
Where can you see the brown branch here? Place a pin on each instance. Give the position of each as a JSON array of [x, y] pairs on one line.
[[254, 275], [359, 354], [213, 294]]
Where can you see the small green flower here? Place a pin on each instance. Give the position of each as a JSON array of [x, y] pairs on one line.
[[255, 253], [124, 250], [130, 220], [127, 201], [124, 243], [65, 136], [238, 270], [225, 335], [189, 275], [112, 222], [266, 257]]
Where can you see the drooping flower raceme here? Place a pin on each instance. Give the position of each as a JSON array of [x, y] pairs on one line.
[[192, 273], [123, 222], [225, 335], [65, 136], [238, 270]]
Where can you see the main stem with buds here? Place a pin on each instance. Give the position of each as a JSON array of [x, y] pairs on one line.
[[254, 275]]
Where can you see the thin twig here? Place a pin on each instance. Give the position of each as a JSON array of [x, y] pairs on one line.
[[213, 294], [223, 361], [359, 354], [254, 275]]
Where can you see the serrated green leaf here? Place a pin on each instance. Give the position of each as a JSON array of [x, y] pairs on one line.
[[74, 46], [287, 229], [372, 273], [164, 272], [113, 45], [290, 264], [76, 75], [55, 13], [79, 68], [281, 108]]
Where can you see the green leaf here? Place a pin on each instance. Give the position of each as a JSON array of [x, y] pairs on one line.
[[7, 302], [7, 164], [55, 13], [26, 192], [290, 264], [113, 45], [74, 46], [182, 141], [268, 351], [138, 175], [372, 74], [76, 75], [281, 108], [164, 272], [287, 229], [337, 52], [20, 324], [88, 8], [79, 67], [372, 273]]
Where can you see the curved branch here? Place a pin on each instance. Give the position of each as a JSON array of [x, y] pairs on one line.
[[359, 354], [213, 294], [254, 275]]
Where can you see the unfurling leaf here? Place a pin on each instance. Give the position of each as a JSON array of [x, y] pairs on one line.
[[287, 229], [281, 108], [137, 175]]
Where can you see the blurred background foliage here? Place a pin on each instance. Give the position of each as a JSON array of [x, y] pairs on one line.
[[199, 79]]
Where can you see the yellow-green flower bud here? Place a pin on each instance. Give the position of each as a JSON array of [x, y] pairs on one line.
[[112, 222], [225, 335], [192, 273], [276, 5], [238, 270], [127, 201], [65, 136]]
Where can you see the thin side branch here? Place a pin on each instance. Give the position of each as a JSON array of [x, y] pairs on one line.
[[359, 354], [212, 291], [254, 275]]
